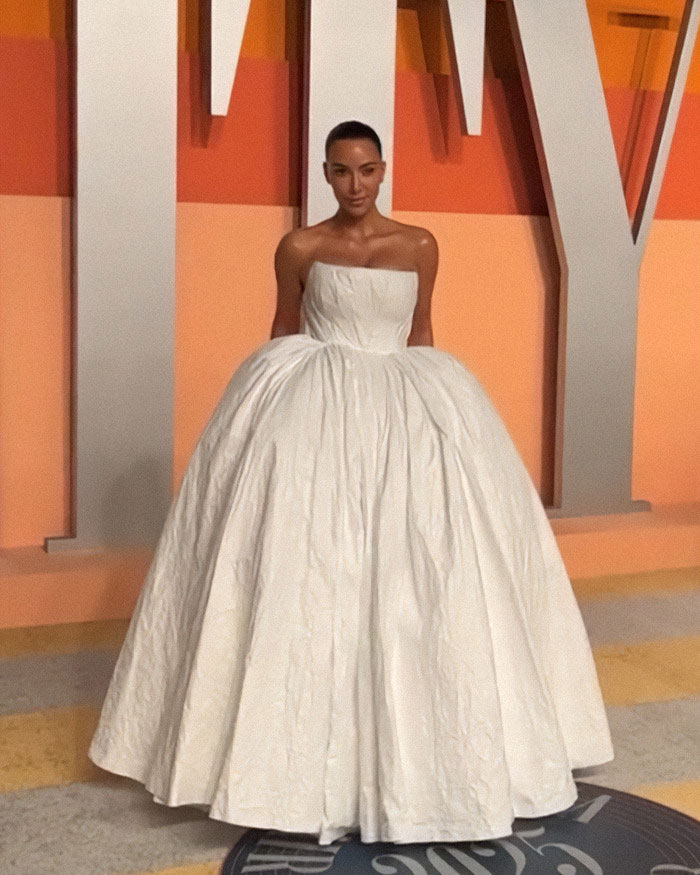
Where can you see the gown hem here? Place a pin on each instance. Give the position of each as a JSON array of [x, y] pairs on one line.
[[401, 834]]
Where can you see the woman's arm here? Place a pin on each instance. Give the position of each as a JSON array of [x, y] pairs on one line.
[[421, 333], [289, 258]]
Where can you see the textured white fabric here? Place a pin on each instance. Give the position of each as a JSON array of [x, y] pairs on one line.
[[357, 617]]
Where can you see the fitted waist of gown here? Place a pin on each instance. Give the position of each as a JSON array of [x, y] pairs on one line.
[[381, 349], [367, 309]]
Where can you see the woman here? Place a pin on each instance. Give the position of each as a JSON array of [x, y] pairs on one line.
[[357, 618]]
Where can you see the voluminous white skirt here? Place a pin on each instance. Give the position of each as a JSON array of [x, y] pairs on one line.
[[357, 617]]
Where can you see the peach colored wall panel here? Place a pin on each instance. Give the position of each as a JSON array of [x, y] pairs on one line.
[[34, 368], [667, 396], [495, 306], [225, 302], [226, 296], [492, 308]]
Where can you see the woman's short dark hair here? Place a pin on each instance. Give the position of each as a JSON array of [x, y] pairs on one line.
[[353, 130]]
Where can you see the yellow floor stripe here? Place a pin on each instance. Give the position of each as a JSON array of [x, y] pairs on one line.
[[667, 581], [212, 868], [48, 748], [683, 796], [64, 638], [651, 671]]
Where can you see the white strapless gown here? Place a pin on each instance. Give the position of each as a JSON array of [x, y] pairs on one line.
[[357, 618]]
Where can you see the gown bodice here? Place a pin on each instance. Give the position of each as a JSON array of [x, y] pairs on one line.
[[368, 308]]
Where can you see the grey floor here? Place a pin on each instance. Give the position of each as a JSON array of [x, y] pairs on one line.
[[115, 827]]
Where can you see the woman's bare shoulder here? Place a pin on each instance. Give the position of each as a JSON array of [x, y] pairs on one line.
[[302, 241], [415, 236], [294, 249], [418, 244], [293, 241]]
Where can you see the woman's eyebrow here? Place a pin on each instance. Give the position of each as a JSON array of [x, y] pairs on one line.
[[366, 164]]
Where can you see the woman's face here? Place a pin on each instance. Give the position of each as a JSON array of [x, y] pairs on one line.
[[355, 172]]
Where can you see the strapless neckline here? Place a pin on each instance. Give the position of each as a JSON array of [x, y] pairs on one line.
[[361, 267]]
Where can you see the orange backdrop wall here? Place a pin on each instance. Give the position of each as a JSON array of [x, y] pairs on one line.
[[495, 303]]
